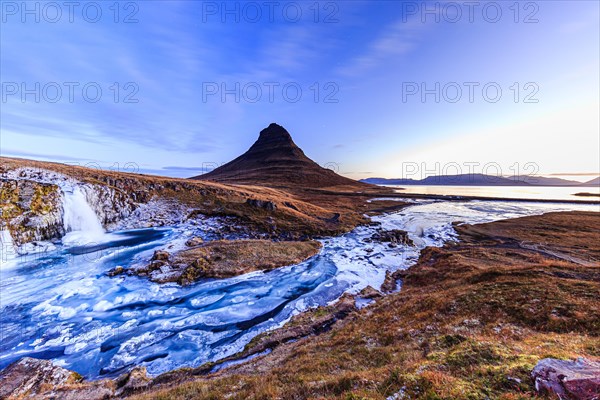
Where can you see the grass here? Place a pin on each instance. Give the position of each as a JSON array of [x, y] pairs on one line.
[[471, 322], [299, 212], [227, 258]]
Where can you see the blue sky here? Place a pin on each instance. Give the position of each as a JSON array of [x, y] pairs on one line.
[[355, 63]]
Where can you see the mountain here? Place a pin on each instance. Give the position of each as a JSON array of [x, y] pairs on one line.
[[458, 180], [275, 160], [392, 181], [543, 181], [593, 182], [481, 180]]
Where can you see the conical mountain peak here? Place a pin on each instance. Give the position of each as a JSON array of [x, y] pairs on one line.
[[275, 160], [275, 131], [274, 140]]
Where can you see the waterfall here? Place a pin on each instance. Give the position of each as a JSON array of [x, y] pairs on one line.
[[80, 221], [7, 247]]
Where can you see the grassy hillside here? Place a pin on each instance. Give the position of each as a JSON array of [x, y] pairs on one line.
[[292, 212], [471, 321]]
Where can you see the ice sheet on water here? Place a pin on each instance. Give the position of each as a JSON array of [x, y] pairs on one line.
[[106, 325]]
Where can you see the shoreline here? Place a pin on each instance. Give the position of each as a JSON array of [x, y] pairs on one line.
[[488, 198], [323, 213], [469, 337], [398, 195], [312, 323]]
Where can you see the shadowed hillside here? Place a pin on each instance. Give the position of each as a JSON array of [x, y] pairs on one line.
[[275, 160]]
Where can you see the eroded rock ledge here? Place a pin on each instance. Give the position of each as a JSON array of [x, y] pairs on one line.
[[579, 379], [40, 379]]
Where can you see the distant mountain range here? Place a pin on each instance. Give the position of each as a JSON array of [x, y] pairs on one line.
[[593, 182], [484, 180]]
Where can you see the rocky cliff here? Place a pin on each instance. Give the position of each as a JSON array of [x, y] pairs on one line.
[[32, 204], [31, 211]]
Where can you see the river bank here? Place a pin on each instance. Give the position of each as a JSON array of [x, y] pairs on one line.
[[416, 289], [126, 333], [472, 320]]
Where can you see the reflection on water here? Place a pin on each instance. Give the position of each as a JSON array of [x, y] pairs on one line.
[[506, 192]]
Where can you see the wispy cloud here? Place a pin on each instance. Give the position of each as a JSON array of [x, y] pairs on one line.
[[173, 168], [576, 174], [396, 39], [53, 157]]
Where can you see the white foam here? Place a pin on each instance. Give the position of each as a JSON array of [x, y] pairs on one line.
[[103, 305], [8, 251], [80, 221]]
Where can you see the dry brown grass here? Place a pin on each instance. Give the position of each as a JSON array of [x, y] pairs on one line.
[[297, 214], [227, 258], [471, 321]]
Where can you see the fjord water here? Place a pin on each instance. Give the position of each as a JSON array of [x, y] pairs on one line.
[[61, 305], [505, 192]]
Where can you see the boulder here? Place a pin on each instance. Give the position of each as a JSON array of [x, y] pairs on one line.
[[266, 205], [135, 380], [116, 271], [579, 379], [334, 218], [40, 379], [369, 293], [193, 242], [344, 306], [395, 236], [290, 205], [155, 265], [160, 255], [30, 376], [391, 280]]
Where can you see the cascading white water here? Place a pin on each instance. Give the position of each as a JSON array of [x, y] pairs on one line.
[[80, 221], [7, 248]]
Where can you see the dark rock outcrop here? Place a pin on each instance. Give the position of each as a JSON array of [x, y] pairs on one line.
[[160, 255], [40, 379], [369, 293], [116, 271], [579, 379], [266, 205], [395, 237], [193, 242], [390, 284], [134, 381], [28, 376], [32, 211]]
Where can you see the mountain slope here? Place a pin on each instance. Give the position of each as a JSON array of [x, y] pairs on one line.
[[275, 160], [543, 181], [458, 180], [593, 182], [481, 180]]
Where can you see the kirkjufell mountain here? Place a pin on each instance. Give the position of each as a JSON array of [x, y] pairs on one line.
[[275, 160]]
